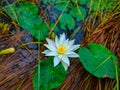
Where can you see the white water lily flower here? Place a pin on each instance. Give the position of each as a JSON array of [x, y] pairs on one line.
[[61, 49]]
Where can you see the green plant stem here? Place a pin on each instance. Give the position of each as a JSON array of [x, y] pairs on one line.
[[28, 44], [39, 63], [116, 73], [38, 75], [117, 77], [38, 66]]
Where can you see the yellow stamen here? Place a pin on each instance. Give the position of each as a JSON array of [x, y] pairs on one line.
[[61, 49]]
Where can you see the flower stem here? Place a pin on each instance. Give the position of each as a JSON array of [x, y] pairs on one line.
[[116, 72], [28, 44]]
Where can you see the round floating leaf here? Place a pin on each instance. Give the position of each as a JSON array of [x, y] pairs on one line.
[[27, 23], [27, 17], [50, 76], [25, 13], [78, 15], [67, 21], [26, 8], [39, 31], [98, 60], [60, 5]]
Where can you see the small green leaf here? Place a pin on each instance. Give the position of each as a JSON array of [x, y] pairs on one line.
[[27, 23], [51, 25], [67, 21], [78, 15], [22, 11], [61, 7], [27, 17], [39, 31], [98, 60], [50, 77], [82, 2], [25, 13]]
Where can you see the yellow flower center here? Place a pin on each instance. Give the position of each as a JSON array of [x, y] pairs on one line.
[[61, 49]]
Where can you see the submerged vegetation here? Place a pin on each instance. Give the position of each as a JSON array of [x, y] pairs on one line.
[[33, 31]]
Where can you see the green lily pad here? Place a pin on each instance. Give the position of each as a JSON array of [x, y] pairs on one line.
[[67, 21], [50, 77], [27, 23], [39, 31], [27, 17], [25, 13], [78, 15], [61, 7], [98, 60]]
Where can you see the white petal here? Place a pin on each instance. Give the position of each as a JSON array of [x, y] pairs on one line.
[[66, 42], [50, 47], [66, 60], [56, 61], [62, 38], [70, 43], [72, 54], [46, 51], [60, 56], [50, 42], [64, 65], [57, 42], [74, 47], [51, 54]]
